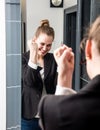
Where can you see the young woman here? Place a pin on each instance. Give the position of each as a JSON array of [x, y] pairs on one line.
[[79, 111], [39, 74]]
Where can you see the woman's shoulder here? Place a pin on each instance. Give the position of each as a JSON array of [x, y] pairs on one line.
[[26, 54], [25, 57]]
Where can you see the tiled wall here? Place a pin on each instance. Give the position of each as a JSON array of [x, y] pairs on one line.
[[13, 64]]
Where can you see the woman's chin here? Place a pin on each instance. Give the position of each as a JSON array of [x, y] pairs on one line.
[[42, 54]]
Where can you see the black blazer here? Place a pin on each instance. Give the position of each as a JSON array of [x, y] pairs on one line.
[[79, 111], [32, 84]]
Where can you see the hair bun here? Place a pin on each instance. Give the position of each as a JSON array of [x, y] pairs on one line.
[[44, 22]]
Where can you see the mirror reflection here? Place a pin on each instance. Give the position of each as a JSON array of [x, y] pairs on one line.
[[19, 22]]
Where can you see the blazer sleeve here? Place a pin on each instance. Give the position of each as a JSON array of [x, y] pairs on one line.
[[48, 112], [56, 112], [30, 76]]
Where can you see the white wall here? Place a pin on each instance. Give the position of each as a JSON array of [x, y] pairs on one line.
[[36, 10]]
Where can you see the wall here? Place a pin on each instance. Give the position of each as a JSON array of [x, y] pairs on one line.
[[36, 10]]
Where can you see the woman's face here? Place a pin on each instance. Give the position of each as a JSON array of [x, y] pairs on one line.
[[44, 44]]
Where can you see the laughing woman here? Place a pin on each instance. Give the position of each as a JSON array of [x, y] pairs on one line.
[[39, 74]]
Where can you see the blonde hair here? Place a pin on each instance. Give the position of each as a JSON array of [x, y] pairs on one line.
[[92, 33], [45, 28]]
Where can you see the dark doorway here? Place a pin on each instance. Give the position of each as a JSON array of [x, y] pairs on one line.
[[70, 30]]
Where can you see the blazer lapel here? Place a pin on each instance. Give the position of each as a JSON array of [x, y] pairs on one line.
[[47, 65]]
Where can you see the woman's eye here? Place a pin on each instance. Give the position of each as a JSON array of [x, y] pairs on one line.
[[49, 45], [42, 44]]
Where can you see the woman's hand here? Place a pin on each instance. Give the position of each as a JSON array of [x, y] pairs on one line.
[[33, 47], [65, 60], [64, 57]]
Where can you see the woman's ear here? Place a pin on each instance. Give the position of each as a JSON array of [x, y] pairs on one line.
[[88, 49]]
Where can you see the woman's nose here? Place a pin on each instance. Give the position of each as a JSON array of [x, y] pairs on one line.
[[44, 47]]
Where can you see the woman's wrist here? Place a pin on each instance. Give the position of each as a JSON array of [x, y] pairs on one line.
[[65, 79], [33, 57]]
